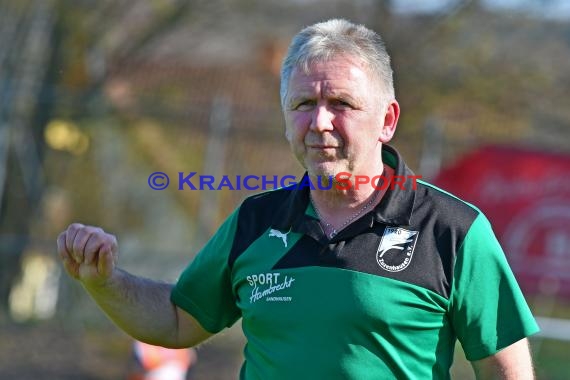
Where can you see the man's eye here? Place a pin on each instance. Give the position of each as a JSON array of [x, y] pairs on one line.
[[342, 104], [305, 105]]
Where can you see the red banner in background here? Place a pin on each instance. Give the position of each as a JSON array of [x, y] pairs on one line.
[[526, 196]]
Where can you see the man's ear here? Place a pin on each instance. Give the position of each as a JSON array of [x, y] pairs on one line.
[[390, 122]]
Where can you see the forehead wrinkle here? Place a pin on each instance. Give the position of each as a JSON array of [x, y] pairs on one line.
[[323, 84], [326, 87]]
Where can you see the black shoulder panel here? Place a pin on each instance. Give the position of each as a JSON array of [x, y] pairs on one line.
[[256, 215], [443, 222]]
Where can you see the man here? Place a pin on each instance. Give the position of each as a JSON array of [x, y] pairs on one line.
[[353, 282]]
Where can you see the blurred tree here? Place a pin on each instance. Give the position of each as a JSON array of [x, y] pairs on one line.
[[53, 61], [28, 31], [487, 77]]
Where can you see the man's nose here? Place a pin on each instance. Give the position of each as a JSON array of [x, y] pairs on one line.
[[322, 119]]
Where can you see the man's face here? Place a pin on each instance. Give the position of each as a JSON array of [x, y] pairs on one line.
[[334, 118]]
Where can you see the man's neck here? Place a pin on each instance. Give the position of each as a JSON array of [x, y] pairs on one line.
[[339, 203]]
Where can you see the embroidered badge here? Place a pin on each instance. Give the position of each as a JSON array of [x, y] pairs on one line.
[[396, 249]]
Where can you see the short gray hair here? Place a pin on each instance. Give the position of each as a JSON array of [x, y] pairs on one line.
[[324, 41]]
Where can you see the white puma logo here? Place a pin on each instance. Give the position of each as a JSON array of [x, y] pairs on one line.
[[393, 238], [280, 235]]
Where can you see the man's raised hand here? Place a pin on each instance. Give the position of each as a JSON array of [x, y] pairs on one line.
[[89, 254]]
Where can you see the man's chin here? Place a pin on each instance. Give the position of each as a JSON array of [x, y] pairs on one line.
[[325, 169], [324, 173]]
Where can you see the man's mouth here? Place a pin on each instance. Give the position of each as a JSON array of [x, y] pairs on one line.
[[323, 146]]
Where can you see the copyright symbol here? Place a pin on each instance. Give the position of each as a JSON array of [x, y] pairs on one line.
[[158, 181]]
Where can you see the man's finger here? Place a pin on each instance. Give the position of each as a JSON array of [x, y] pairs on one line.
[[114, 250], [92, 247], [61, 246], [79, 242], [105, 264], [81, 239], [72, 230]]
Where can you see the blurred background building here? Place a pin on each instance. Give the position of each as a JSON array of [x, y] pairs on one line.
[[97, 95]]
